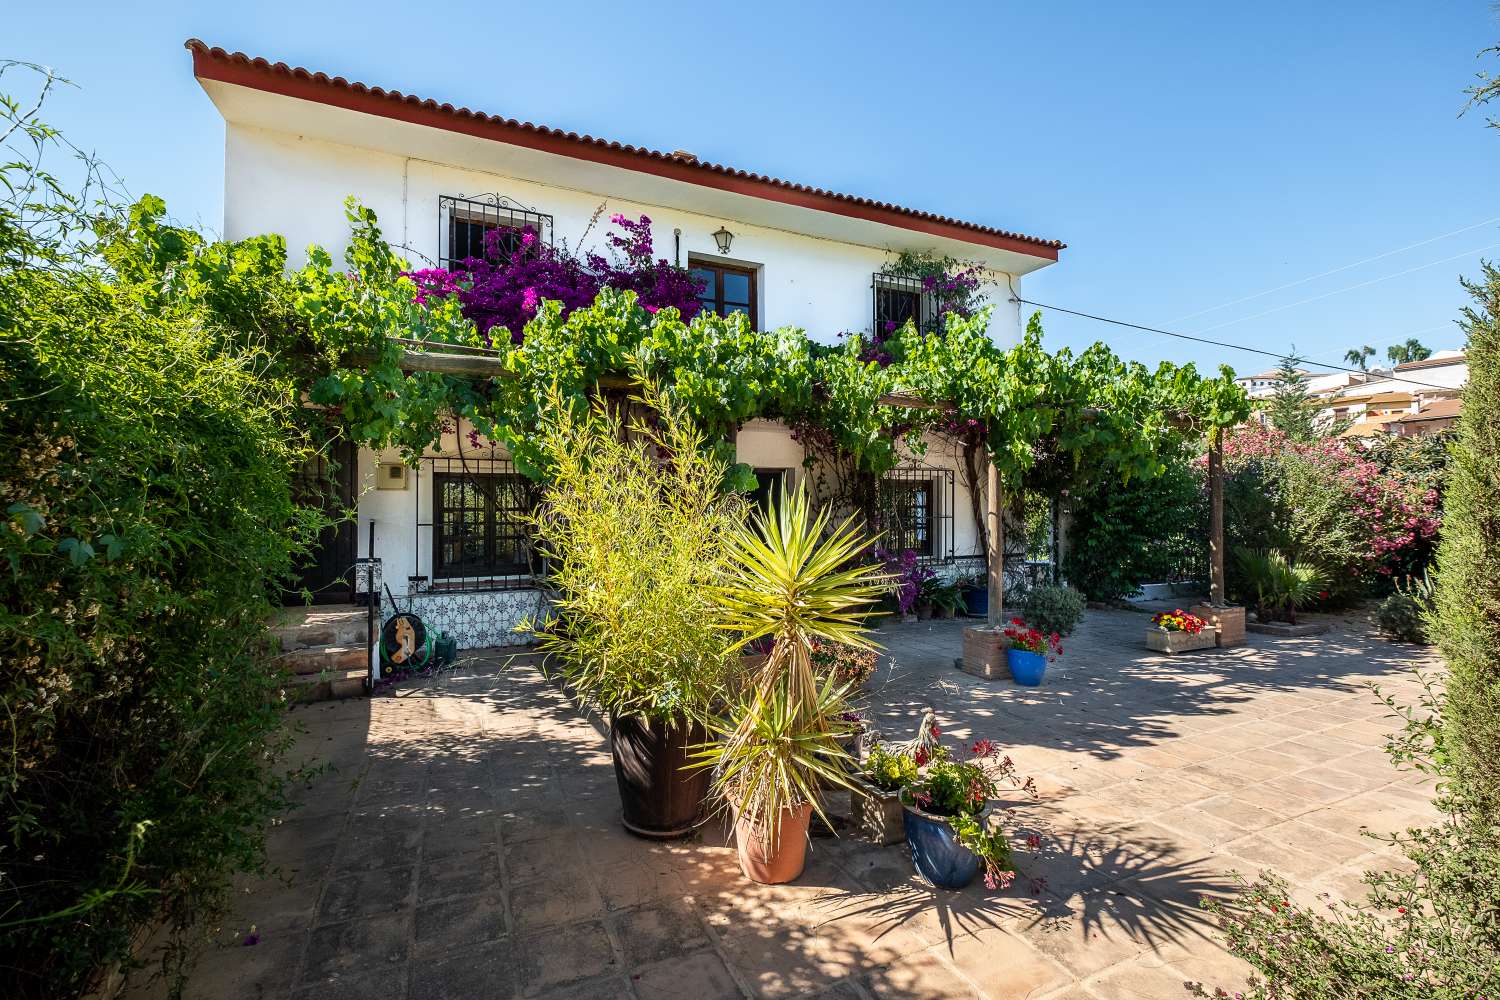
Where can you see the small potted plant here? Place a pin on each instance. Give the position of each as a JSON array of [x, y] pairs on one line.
[[1029, 653], [1178, 631], [943, 811], [906, 575], [974, 589], [875, 801]]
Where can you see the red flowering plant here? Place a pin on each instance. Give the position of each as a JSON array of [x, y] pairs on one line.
[[960, 791], [1031, 640], [851, 667], [1178, 621]]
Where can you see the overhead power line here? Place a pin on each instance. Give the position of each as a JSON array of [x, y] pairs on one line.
[[1206, 340], [1350, 288], [1336, 270]]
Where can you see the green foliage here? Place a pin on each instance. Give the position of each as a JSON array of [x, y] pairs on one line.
[[1052, 609], [889, 771], [150, 435], [1410, 350], [1290, 409], [637, 544], [1279, 585], [798, 581], [1360, 357], [1048, 420], [1122, 535], [1400, 616], [1466, 618]]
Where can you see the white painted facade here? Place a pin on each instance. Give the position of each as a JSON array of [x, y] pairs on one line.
[[290, 164]]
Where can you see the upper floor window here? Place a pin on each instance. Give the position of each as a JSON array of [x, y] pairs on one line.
[[723, 289], [899, 300], [465, 225]]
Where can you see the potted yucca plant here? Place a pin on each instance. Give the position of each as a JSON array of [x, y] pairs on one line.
[[636, 522], [779, 742]]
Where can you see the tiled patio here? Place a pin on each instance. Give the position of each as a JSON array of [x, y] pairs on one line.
[[467, 844]]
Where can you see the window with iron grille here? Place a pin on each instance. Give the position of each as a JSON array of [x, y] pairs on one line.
[[899, 300], [479, 527], [464, 224], [916, 504], [911, 516]]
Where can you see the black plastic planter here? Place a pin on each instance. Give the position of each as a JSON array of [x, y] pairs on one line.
[[657, 797]]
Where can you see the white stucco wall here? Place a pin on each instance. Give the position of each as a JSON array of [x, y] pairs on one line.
[[294, 185]]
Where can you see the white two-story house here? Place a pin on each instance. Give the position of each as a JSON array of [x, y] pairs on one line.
[[298, 142]]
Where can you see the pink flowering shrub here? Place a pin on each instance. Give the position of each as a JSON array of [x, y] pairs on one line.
[[501, 292], [1327, 503]]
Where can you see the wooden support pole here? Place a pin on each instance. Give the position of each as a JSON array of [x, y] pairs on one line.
[[1216, 588], [994, 520]]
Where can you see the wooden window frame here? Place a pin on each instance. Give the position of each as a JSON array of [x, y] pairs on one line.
[[721, 269]]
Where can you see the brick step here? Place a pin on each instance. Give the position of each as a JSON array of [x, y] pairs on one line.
[[328, 685], [319, 659]]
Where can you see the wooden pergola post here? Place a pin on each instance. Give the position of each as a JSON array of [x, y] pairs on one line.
[[1228, 622], [994, 522], [1216, 588]]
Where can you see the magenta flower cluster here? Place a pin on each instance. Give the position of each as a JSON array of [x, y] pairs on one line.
[[502, 291], [909, 575]]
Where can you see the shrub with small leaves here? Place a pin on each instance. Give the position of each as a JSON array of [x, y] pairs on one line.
[[1053, 609], [1400, 617]]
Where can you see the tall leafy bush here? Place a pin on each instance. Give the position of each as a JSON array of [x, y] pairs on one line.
[[1121, 535], [149, 440], [1466, 622]]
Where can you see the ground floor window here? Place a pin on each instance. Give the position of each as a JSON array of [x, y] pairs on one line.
[[479, 525]]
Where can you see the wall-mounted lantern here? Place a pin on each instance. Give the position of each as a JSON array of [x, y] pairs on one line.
[[723, 238]]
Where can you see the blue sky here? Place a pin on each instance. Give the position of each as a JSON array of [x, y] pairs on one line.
[[1191, 155]]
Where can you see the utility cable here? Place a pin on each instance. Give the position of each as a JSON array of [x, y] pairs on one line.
[[1336, 270], [1206, 340]]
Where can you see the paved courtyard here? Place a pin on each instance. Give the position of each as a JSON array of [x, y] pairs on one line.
[[466, 844]]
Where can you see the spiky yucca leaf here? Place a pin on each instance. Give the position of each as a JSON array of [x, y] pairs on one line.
[[778, 742]]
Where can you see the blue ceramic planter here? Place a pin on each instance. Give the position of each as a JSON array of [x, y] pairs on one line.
[[936, 852], [977, 601], [1026, 668]]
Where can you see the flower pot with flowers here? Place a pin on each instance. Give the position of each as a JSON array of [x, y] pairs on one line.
[[1029, 653], [778, 741], [944, 811], [907, 576], [1179, 631]]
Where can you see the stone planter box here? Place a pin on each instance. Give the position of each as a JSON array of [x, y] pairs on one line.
[[1230, 619], [876, 814], [1180, 642], [984, 653]]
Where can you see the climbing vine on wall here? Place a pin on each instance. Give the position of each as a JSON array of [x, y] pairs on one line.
[[1045, 420]]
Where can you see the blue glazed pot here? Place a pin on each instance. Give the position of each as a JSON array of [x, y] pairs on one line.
[[977, 601], [936, 852], [1026, 668]]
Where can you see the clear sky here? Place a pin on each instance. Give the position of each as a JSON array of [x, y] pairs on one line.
[[1190, 154]]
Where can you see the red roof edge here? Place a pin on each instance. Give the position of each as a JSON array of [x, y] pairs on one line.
[[289, 81]]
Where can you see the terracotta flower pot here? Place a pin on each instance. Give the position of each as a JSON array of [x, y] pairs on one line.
[[787, 853]]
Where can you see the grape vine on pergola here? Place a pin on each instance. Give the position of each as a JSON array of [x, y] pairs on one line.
[[488, 363]]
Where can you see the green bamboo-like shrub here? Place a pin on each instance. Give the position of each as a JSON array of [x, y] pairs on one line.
[[636, 527]]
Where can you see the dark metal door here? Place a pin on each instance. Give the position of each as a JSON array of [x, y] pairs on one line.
[[328, 482]]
